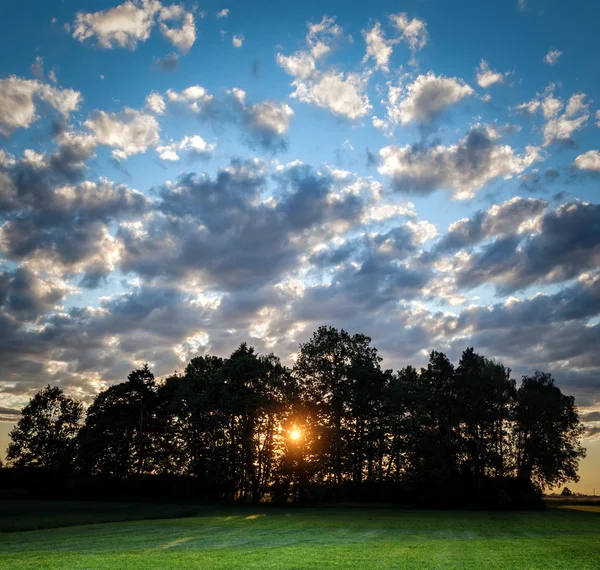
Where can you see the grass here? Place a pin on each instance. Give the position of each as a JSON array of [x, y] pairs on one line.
[[305, 538]]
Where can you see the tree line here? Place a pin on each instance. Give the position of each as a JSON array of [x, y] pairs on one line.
[[335, 425]]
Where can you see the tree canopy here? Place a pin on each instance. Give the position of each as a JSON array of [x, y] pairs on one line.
[[248, 428]]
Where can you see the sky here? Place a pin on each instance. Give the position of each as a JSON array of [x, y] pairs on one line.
[[177, 179]]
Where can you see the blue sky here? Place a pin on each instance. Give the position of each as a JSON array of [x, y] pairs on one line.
[[179, 178]]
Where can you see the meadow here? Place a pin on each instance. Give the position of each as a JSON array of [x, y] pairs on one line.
[[104, 535]]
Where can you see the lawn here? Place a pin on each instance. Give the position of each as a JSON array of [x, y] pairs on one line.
[[246, 537]]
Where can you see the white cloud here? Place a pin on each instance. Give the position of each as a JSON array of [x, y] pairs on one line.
[[266, 121], [123, 26], [589, 160], [223, 13], [270, 116], [425, 98], [487, 77], [552, 56], [422, 231], [559, 127], [301, 64], [196, 98], [377, 47], [238, 40], [183, 37], [195, 144], [414, 32], [156, 103], [19, 99], [343, 96], [128, 132], [464, 167]]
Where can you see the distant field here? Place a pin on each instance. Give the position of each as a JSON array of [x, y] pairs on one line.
[[565, 537]]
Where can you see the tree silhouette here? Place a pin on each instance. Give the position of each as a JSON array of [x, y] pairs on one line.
[[45, 435], [336, 425], [547, 432]]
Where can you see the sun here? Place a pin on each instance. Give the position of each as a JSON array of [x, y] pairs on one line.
[[295, 434]]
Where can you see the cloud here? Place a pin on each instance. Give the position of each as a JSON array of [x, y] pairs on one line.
[[464, 167], [301, 64], [223, 13], [377, 47], [515, 216], [221, 231], [54, 221], [168, 63], [194, 144], [487, 77], [26, 295], [156, 103], [122, 26], [424, 99], [565, 244], [128, 132], [182, 37], [552, 56], [343, 95], [20, 98], [589, 161], [195, 99], [237, 40], [559, 127], [414, 32]]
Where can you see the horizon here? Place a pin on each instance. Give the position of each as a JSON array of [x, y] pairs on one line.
[[176, 179]]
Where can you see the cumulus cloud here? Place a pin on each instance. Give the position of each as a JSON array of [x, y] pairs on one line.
[[378, 48], [194, 144], [237, 40], [552, 56], [414, 32], [589, 161], [515, 216], [343, 95], [182, 36], [486, 77], [424, 99], [122, 26], [561, 121], [21, 97], [222, 232], [464, 167], [195, 98], [156, 103], [223, 13], [128, 132], [566, 244]]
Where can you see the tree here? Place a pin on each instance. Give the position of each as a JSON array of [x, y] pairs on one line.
[[45, 435], [548, 432], [327, 369], [119, 434], [485, 394]]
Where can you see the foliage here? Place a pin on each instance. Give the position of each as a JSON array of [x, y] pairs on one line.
[[445, 435], [45, 435]]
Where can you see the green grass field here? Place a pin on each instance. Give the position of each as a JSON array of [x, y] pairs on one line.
[[244, 537]]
